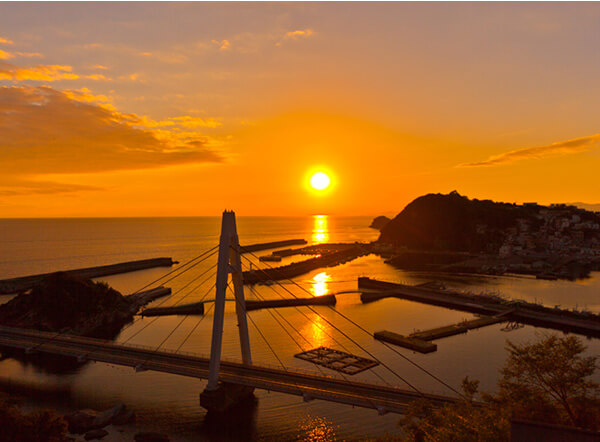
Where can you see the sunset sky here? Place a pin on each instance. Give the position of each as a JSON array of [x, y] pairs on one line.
[[167, 109]]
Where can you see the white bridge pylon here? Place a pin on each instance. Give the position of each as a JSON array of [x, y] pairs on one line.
[[229, 263]]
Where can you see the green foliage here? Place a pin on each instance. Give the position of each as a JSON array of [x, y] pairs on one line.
[[545, 381], [37, 426]]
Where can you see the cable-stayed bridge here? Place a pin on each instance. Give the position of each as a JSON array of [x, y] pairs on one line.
[[230, 382]]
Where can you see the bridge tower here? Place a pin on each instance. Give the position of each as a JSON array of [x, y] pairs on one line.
[[220, 396]]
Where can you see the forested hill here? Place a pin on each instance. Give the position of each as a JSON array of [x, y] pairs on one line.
[[455, 222]]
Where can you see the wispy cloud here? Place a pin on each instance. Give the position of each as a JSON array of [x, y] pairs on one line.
[[297, 34], [20, 187], [50, 72], [560, 148], [29, 54], [98, 77], [5, 41], [46, 131], [5, 55], [223, 45]]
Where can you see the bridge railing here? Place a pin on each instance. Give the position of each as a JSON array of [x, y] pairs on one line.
[[293, 369]]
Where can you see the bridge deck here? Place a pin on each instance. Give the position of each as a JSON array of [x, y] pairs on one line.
[[310, 386]]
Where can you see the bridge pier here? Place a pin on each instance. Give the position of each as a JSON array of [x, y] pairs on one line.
[[219, 396], [226, 397]]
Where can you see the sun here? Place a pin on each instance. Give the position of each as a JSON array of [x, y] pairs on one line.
[[320, 181]]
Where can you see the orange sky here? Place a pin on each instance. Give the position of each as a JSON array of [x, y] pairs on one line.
[[187, 109]]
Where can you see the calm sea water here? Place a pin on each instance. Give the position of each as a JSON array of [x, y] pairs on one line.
[[170, 404]]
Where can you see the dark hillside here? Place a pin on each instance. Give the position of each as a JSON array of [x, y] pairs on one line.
[[68, 304], [454, 222]]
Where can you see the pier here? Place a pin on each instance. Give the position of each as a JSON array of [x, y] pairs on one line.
[[292, 302], [302, 267], [587, 324], [420, 340], [272, 245], [24, 283], [142, 298], [197, 308]]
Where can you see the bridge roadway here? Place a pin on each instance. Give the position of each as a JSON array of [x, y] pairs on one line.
[[310, 386]]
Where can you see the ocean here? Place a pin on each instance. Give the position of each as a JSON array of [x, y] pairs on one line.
[[170, 404]]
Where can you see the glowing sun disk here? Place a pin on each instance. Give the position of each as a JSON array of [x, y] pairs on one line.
[[320, 181]]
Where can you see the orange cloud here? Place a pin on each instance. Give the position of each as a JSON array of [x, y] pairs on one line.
[[17, 187], [223, 44], [46, 131], [299, 33], [5, 41], [560, 148], [5, 55], [193, 122], [98, 77], [295, 35], [29, 54], [99, 66], [50, 72]]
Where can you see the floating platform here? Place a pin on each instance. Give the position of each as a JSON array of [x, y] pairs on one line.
[[24, 283], [337, 360], [271, 245], [295, 302], [196, 308], [440, 332], [584, 323], [407, 342]]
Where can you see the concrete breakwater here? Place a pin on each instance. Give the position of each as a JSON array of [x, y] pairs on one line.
[[271, 245], [140, 299], [294, 302], [584, 323], [196, 308], [299, 268], [24, 283]]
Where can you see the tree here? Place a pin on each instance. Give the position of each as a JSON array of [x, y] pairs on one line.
[[545, 381], [549, 381], [463, 421]]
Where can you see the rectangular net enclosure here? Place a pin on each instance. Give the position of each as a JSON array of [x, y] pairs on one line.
[[337, 360]]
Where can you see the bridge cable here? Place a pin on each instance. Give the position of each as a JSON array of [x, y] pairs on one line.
[[324, 330], [304, 337], [166, 298], [343, 375], [52, 338], [383, 364], [174, 329], [367, 332], [175, 270], [174, 305], [195, 327], [350, 339], [345, 378]]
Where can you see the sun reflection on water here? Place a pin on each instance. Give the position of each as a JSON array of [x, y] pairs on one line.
[[320, 231], [320, 286], [317, 429], [316, 331]]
